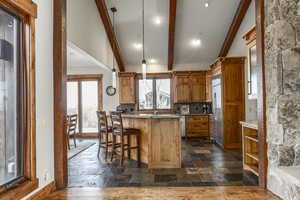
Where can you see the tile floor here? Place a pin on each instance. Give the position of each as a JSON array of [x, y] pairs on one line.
[[204, 164]]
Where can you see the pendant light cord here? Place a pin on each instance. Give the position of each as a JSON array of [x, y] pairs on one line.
[[116, 36], [114, 10], [143, 29]]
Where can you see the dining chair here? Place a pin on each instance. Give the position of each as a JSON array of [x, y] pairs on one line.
[[71, 128]]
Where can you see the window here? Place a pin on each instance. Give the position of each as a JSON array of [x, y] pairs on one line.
[[89, 96], [154, 94], [163, 93], [84, 98], [11, 132], [17, 99]]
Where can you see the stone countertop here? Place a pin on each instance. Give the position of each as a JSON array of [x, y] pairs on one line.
[[195, 114], [249, 124], [154, 116]]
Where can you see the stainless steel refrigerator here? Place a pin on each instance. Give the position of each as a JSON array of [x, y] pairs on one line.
[[217, 110]]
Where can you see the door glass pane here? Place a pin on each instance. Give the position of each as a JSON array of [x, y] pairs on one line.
[[11, 148], [89, 106], [163, 93], [72, 98], [254, 70], [146, 94]]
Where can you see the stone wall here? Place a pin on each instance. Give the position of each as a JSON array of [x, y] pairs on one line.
[[282, 61]]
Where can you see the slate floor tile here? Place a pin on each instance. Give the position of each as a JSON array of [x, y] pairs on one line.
[[165, 178], [203, 164], [204, 184]]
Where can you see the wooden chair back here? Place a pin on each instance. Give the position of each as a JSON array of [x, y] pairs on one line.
[[102, 122], [72, 124], [117, 123]]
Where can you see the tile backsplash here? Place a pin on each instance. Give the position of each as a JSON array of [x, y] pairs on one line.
[[195, 108], [126, 108]]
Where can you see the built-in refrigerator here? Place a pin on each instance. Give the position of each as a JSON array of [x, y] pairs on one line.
[[217, 110]]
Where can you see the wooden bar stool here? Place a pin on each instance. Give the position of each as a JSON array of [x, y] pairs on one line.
[[71, 128], [104, 132], [120, 131]]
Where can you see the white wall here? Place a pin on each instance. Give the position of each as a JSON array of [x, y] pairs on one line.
[[153, 68], [44, 93], [86, 30], [239, 48], [109, 102]]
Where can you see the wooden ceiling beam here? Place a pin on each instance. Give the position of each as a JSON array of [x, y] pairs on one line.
[[236, 23], [172, 23], [110, 33]]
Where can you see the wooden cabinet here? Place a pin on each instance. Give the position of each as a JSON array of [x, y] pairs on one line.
[[197, 126], [160, 141], [181, 89], [208, 90], [250, 147], [127, 88], [198, 87], [228, 100], [189, 87]]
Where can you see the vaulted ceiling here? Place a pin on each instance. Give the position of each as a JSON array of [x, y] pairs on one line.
[[199, 34]]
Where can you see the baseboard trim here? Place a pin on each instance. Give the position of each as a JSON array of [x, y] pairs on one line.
[[42, 193]]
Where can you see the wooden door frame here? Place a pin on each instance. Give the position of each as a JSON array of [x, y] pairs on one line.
[[26, 12], [79, 78], [261, 96], [60, 79], [60, 92]]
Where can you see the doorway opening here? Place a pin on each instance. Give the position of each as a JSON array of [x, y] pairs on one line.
[[193, 150]]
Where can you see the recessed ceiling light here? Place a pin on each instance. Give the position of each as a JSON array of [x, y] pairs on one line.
[[152, 61], [138, 46], [157, 20], [206, 4], [196, 42]]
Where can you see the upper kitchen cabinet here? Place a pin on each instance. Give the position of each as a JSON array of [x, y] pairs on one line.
[[189, 87], [208, 86], [127, 88], [181, 87], [198, 87], [250, 38]]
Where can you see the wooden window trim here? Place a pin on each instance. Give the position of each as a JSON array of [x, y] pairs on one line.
[[27, 12], [87, 77], [166, 75]]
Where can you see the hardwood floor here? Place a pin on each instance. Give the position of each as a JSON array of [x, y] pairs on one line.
[[164, 193]]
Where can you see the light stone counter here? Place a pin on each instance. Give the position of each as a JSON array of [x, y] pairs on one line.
[[153, 116], [249, 124]]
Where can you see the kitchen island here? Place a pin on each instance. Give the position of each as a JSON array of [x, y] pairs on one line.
[[160, 139]]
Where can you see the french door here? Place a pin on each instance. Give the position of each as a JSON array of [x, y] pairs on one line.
[[84, 98]]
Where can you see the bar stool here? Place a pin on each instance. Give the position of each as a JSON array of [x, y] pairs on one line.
[[104, 132], [120, 131]]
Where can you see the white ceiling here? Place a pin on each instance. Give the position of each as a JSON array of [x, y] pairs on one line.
[[193, 21], [129, 29], [76, 57]]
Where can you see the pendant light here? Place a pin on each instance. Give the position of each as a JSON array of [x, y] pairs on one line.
[[114, 73], [144, 63]]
